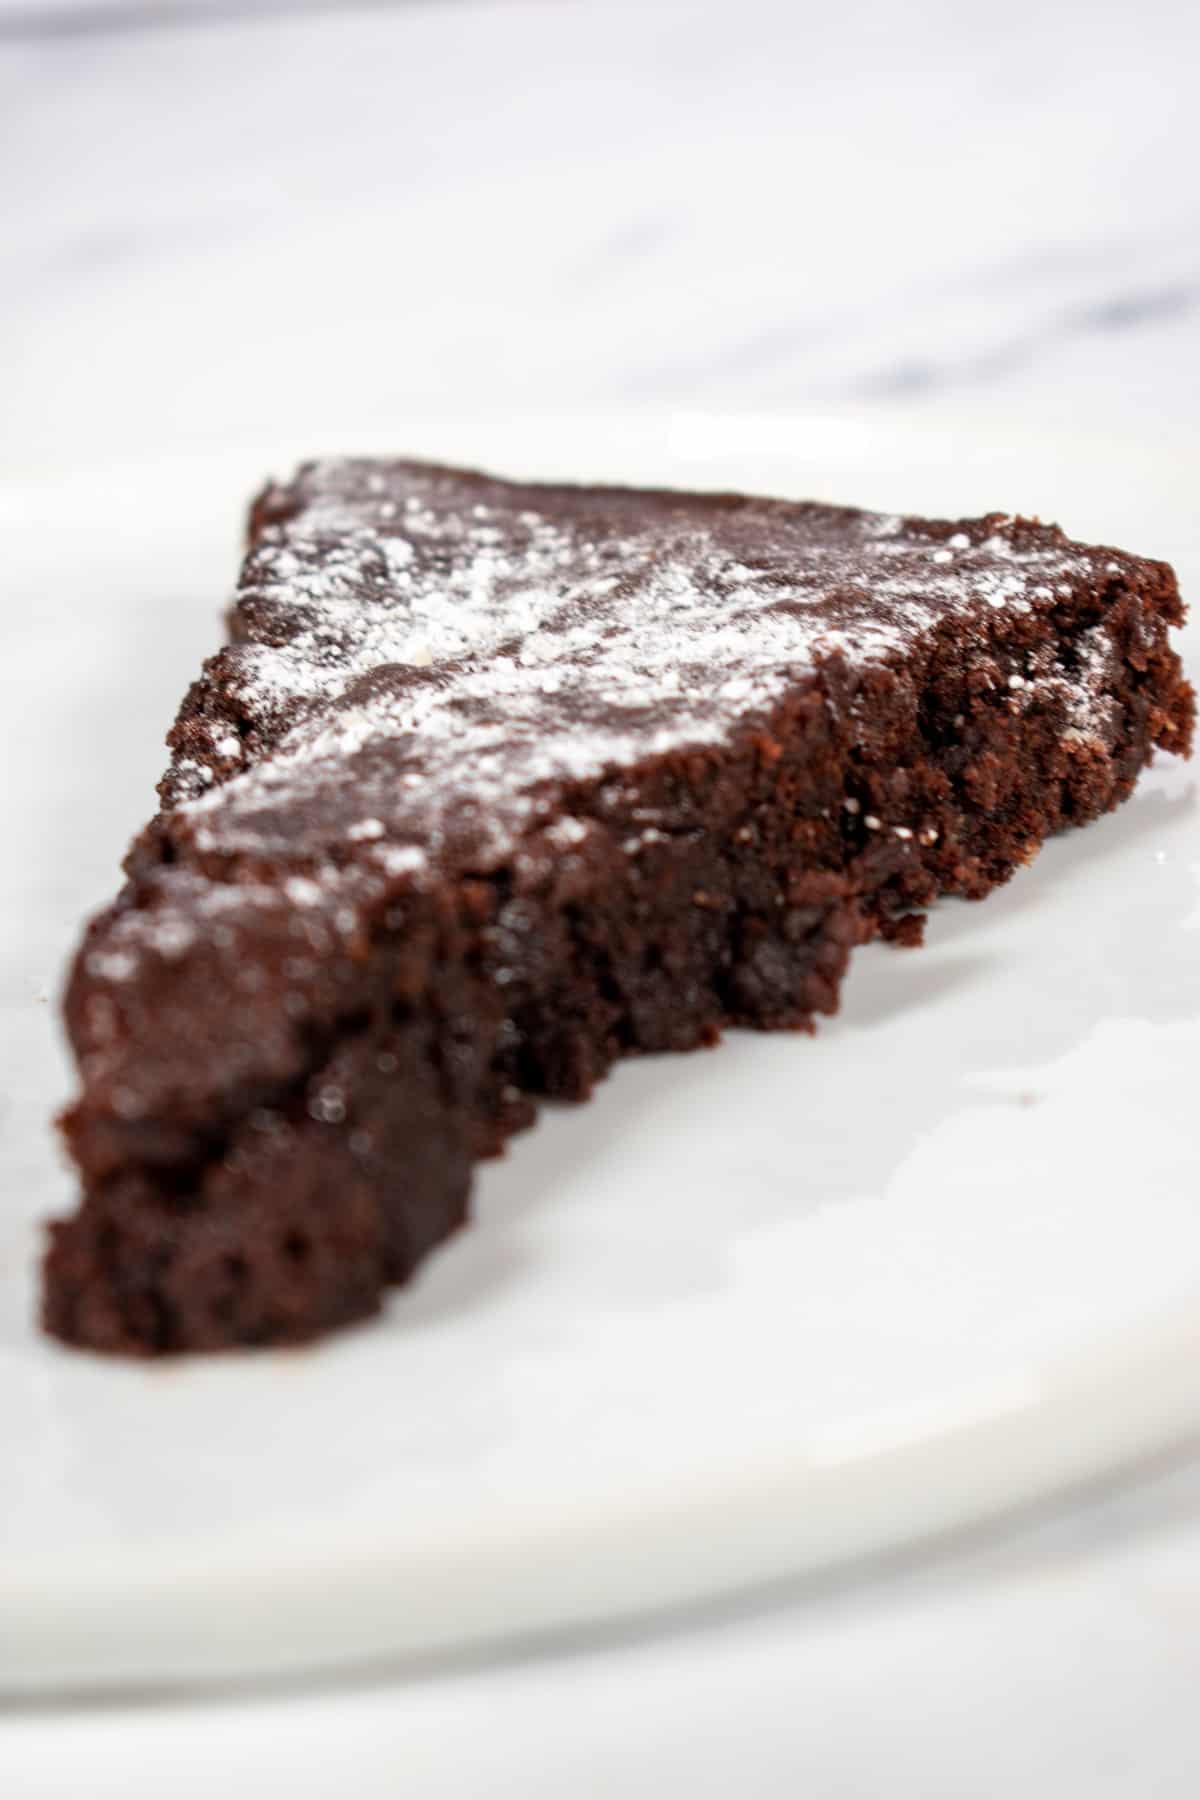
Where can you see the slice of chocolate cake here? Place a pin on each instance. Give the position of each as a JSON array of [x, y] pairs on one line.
[[495, 783]]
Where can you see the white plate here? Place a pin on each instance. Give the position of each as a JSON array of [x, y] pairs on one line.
[[746, 1313]]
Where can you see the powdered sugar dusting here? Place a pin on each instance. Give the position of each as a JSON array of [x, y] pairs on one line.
[[1090, 706], [434, 657]]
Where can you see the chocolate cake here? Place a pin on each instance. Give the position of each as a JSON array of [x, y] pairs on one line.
[[495, 783]]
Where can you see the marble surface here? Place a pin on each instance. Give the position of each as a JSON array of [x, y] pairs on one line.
[[234, 230], [241, 229]]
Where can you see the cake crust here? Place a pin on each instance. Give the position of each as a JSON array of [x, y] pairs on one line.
[[495, 782]]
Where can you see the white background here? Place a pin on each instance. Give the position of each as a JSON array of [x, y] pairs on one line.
[[231, 231]]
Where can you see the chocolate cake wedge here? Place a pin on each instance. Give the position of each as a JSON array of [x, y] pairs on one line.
[[494, 783]]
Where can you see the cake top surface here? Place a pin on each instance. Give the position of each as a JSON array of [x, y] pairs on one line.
[[426, 662], [422, 651]]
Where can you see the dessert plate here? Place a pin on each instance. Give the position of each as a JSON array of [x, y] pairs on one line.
[[746, 1314]]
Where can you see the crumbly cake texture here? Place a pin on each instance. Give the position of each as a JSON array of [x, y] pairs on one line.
[[495, 783]]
